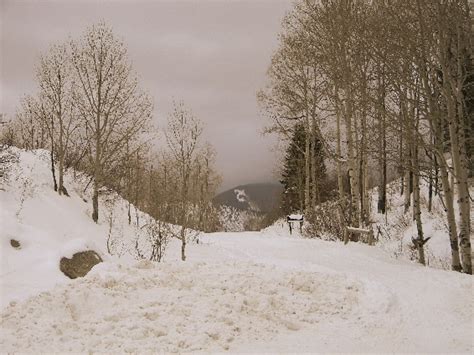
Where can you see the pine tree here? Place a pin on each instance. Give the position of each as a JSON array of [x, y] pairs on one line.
[[294, 175]]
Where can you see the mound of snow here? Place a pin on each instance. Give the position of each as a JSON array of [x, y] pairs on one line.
[[175, 308]]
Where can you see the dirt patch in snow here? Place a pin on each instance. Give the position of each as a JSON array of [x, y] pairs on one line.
[[175, 308]]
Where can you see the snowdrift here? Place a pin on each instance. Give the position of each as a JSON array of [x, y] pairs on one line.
[[189, 307]]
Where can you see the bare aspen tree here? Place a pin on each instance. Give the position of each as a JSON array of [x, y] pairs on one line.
[[54, 75], [204, 188], [33, 133], [110, 104], [183, 137], [454, 30], [436, 120]]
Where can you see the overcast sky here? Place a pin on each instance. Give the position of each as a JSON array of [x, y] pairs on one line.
[[211, 54]]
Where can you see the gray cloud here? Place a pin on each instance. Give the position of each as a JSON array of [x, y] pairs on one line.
[[211, 54]]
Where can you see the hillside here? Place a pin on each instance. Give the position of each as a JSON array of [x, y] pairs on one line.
[[261, 197], [48, 226]]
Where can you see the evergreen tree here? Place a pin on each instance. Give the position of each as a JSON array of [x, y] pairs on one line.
[[293, 173], [292, 177], [318, 180]]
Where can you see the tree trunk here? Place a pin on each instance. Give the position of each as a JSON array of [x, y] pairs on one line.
[[95, 202], [315, 182], [417, 210], [307, 153], [364, 178], [97, 181], [460, 170], [353, 166], [408, 188], [183, 243], [61, 188], [53, 172], [61, 152], [401, 168], [382, 200], [340, 183], [451, 219], [55, 184]]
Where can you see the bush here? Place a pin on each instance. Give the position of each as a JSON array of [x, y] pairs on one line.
[[324, 221]]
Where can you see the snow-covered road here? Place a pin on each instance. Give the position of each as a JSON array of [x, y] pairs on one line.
[[252, 292], [403, 307]]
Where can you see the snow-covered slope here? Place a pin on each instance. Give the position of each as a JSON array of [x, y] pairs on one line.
[[49, 226], [46, 225], [396, 229], [393, 230]]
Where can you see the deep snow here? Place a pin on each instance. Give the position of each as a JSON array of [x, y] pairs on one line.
[[252, 292], [240, 292]]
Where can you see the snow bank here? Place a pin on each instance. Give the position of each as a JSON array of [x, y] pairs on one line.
[[246, 292], [175, 308]]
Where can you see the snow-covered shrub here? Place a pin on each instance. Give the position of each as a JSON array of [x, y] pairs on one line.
[[324, 222], [8, 157], [152, 244], [231, 219]]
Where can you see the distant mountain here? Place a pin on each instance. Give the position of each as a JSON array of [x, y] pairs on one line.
[[261, 197]]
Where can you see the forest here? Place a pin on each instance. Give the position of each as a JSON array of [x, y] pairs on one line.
[[379, 90]]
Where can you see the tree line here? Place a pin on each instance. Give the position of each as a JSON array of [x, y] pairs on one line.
[[92, 115], [386, 86]]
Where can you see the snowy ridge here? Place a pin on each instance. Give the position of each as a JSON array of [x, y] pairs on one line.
[[46, 225]]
